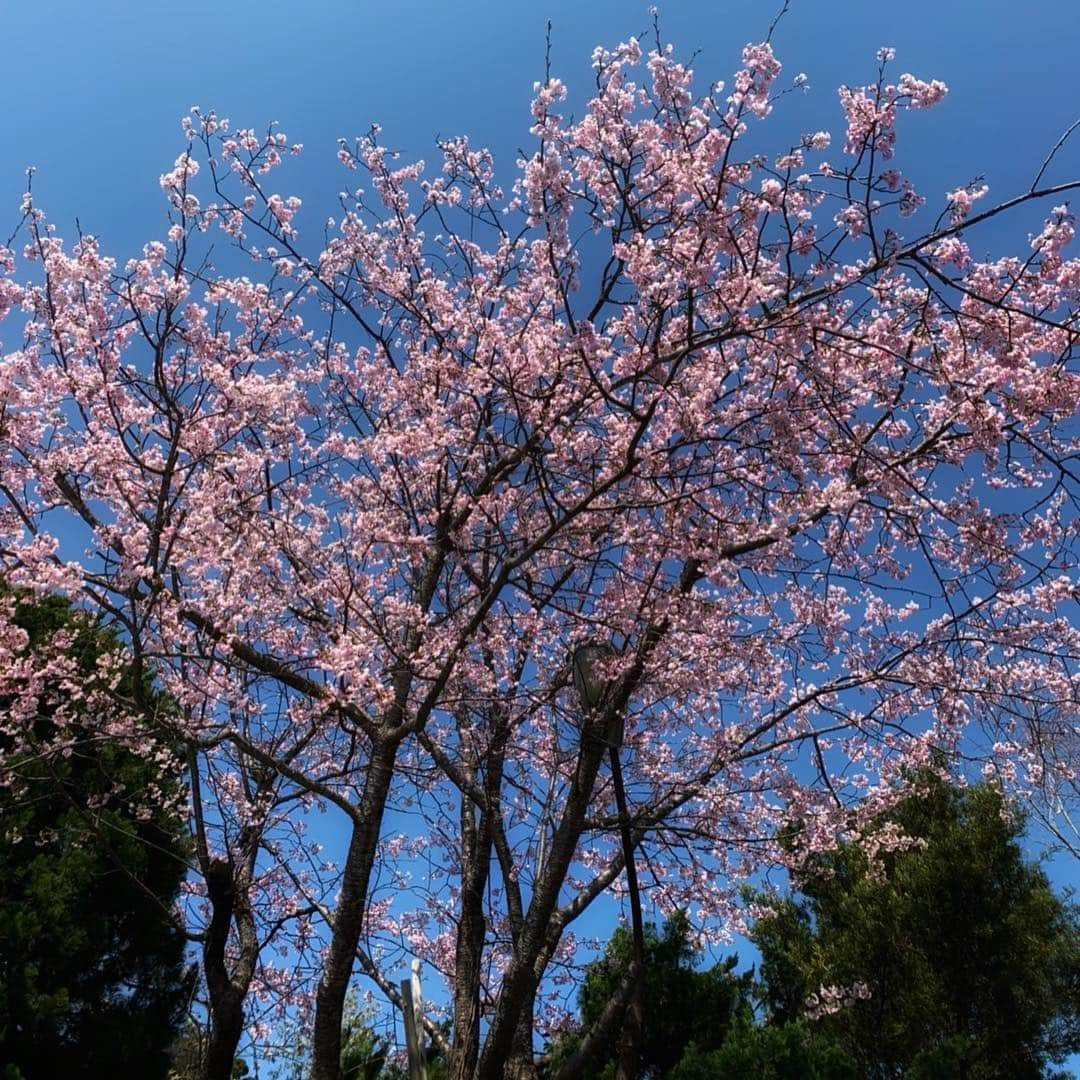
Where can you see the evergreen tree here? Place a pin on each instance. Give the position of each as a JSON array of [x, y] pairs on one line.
[[971, 961], [754, 1051], [93, 978], [683, 1005]]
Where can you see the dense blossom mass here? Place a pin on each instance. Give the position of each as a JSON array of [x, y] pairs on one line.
[[762, 424]]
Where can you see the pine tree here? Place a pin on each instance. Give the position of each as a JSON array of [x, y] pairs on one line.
[[970, 960], [93, 975]]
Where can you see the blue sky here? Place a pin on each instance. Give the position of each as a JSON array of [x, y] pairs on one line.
[[93, 92]]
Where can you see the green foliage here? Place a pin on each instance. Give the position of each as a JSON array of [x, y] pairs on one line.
[[681, 1004], [187, 1055], [93, 978], [363, 1052], [755, 1052], [366, 1054], [436, 1064], [972, 962]]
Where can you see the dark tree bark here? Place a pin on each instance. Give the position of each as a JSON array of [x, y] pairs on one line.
[[478, 840], [227, 893], [521, 979], [634, 1021], [349, 919]]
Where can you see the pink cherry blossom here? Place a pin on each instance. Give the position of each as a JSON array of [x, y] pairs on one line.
[[356, 499]]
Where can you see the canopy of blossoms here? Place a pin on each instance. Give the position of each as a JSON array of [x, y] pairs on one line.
[[762, 424]]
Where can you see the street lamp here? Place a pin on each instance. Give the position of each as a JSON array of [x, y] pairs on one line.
[[591, 688]]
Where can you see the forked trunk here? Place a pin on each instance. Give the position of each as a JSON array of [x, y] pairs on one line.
[[349, 919]]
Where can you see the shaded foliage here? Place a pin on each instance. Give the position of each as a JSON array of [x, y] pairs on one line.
[[682, 1004], [971, 961], [760, 1052], [93, 977]]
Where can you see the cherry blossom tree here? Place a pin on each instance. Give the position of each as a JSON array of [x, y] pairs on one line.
[[759, 425]]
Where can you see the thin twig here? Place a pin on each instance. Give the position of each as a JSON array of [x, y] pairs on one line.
[[1050, 157]]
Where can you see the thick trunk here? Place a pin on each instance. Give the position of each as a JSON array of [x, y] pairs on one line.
[[630, 1043], [470, 947], [522, 1062], [634, 1022], [349, 918], [477, 842], [367, 824], [226, 990], [520, 982], [226, 1027]]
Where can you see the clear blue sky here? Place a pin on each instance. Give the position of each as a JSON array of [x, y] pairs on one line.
[[93, 90]]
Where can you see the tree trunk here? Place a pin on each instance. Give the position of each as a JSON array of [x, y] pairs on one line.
[[634, 1021], [226, 999], [478, 840], [226, 889], [226, 1027], [602, 1030], [470, 942], [522, 1062], [349, 919], [520, 982]]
